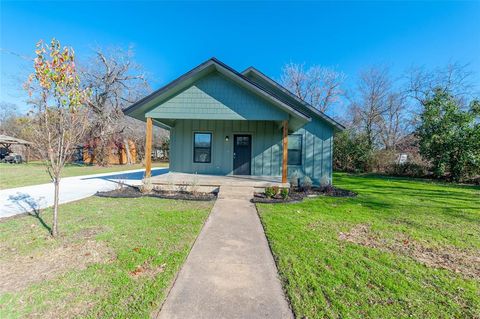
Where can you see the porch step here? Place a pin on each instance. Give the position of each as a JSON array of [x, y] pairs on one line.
[[235, 192]]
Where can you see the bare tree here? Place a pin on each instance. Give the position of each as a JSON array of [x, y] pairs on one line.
[[58, 117], [454, 78], [8, 116], [319, 86], [115, 81], [7, 111], [369, 106], [393, 123]]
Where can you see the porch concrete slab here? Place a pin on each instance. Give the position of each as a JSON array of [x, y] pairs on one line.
[[174, 178], [230, 272], [235, 192]]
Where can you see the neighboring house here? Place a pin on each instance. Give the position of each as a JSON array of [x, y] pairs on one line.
[[13, 146], [117, 153], [223, 122]]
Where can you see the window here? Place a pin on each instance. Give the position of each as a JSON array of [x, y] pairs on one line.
[[295, 149], [202, 147], [242, 140]]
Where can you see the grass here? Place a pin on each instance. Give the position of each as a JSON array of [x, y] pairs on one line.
[[16, 175], [146, 235], [326, 277]]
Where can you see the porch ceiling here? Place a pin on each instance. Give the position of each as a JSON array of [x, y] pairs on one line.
[[293, 123]]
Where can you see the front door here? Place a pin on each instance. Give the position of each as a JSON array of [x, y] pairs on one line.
[[242, 154]]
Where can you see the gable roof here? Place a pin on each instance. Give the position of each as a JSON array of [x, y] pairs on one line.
[[285, 94], [139, 108]]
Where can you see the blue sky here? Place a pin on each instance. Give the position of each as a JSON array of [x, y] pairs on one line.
[[171, 38]]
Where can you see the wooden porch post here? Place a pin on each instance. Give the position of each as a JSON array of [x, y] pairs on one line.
[[148, 148], [285, 152]]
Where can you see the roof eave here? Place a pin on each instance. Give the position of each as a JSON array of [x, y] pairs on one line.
[[162, 125], [337, 126], [153, 95]]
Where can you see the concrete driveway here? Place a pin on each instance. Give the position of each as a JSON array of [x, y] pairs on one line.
[[26, 199]]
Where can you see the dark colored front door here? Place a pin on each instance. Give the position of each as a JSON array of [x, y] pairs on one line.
[[242, 154]]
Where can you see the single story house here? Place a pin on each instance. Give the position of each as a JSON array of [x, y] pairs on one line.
[[223, 122]]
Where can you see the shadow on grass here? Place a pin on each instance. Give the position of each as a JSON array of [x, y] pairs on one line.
[[367, 184], [380, 193], [36, 214], [416, 180], [30, 206]]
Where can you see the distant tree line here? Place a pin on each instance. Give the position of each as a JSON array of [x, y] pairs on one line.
[[432, 116]]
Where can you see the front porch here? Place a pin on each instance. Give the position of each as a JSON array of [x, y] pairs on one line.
[[209, 183], [250, 153]]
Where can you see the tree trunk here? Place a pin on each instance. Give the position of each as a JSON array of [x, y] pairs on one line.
[[56, 182], [148, 148], [127, 151], [104, 158]]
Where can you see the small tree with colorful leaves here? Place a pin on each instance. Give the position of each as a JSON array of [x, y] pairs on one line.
[[58, 115]]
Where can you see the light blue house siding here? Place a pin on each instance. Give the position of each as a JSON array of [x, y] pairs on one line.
[[216, 97], [266, 148], [317, 152]]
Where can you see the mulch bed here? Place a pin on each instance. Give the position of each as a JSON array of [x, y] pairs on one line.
[[297, 195], [134, 192]]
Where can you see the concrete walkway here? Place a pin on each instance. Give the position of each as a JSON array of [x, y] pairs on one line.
[[230, 272], [14, 201]]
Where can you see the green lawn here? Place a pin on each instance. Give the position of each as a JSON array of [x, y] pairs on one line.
[[326, 276], [16, 175], [138, 244]]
